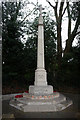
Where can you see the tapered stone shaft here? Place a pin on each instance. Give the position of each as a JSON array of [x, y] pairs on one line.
[[40, 51], [40, 73], [40, 84]]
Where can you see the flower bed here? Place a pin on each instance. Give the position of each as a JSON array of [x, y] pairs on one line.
[[18, 96], [33, 97], [26, 91], [54, 91]]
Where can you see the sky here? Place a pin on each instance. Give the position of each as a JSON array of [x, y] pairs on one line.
[[64, 23]]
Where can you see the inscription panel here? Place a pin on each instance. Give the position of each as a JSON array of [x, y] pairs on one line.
[[40, 76]]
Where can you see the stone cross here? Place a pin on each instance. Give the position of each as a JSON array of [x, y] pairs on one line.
[[40, 9]]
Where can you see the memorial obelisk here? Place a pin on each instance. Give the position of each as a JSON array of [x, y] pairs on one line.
[[41, 97], [40, 84]]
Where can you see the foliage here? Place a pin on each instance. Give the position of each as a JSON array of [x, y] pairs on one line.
[[75, 10], [12, 45], [19, 60]]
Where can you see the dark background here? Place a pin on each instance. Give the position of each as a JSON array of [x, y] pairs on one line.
[[20, 60]]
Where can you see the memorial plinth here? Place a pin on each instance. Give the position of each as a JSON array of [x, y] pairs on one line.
[[41, 90], [41, 97]]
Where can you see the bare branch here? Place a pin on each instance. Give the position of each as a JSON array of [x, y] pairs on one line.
[[56, 14], [56, 5], [61, 9], [55, 8], [78, 33], [28, 15], [72, 35], [64, 11], [74, 32], [69, 21], [50, 4]]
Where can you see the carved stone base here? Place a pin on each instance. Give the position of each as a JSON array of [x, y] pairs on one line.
[[41, 90], [30, 103], [40, 77]]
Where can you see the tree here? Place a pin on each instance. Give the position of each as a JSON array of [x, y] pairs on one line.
[[74, 33], [14, 26], [11, 40], [71, 34]]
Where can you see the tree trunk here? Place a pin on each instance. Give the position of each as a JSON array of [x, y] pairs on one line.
[[59, 44], [71, 35], [59, 39]]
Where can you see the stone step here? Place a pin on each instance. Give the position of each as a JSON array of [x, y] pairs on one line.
[[46, 105], [54, 100]]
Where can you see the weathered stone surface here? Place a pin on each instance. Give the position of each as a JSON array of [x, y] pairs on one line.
[[41, 90], [41, 105], [37, 96], [41, 97], [40, 72], [40, 77]]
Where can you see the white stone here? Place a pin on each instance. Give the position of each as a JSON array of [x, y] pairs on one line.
[[40, 77], [19, 104], [47, 105], [40, 83], [40, 47], [41, 90]]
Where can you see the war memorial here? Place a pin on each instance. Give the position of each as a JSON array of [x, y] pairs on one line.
[[41, 96]]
